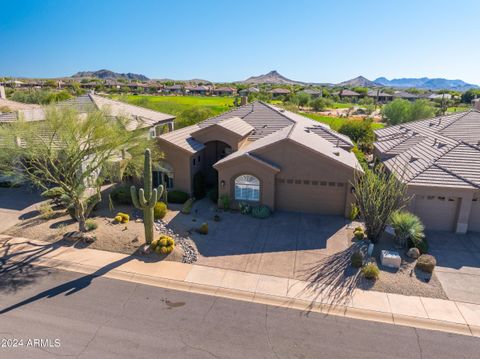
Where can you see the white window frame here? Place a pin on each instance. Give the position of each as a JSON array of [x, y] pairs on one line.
[[247, 188]]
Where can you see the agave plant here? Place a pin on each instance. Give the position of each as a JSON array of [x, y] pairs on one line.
[[407, 226]]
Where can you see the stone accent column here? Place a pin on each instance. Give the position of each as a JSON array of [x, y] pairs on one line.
[[464, 213]]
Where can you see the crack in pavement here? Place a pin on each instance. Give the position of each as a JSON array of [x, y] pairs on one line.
[[108, 321], [268, 334], [182, 339], [418, 342]]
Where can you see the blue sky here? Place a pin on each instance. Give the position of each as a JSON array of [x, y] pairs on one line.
[[318, 41]]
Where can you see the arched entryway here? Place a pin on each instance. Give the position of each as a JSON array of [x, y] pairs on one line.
[[214, 151]]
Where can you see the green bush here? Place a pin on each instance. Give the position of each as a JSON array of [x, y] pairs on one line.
[[90, 225], [225, 201], [407, 226], [187, 206], [371, 271], [261, 212], [121, 195], [203, 228], [199, 185], [46, 211], [420, 244], [53, 193], [359, 131], [213, 195], [159, 210], [426, 263], [356, 259], [359, 234], [177, 197], [245, 208]]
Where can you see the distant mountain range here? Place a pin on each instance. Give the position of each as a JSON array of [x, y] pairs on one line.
[[426, 83], [359, 81], [107, 74], [273, 77]]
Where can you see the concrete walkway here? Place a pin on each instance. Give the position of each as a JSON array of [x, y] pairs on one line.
[[426, 313]]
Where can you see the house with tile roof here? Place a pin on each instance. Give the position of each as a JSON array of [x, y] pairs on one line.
[[261, 154], [439, 159]]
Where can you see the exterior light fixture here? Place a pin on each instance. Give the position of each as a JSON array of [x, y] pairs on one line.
[[222, 183]]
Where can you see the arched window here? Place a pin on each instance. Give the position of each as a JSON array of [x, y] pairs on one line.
[[247, 188]]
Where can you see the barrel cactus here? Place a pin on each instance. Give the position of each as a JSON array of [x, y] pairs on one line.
[[261, 212], [146, 198]]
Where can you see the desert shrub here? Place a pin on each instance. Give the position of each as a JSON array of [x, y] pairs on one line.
[[203, 228], [187, 206], [261, 212], [90, 225], [356, 259], [426, 263], [359, 131], [46, 211], [371, 271], [199, 185], [122, 218], [53, 193], [407, 226], [159, 210], [420, 244], [121, 195], [359, 233], [245, 208], [177, 197], [354, 212], [225, 201], [163, 245], [213, 194]]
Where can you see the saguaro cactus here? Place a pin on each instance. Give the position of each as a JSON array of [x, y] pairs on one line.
[[147, 197]]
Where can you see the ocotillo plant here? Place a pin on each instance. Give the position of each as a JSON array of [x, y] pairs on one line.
[[147, 197]]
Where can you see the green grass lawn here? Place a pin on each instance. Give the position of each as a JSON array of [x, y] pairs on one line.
[[336, 122], [174, 105]]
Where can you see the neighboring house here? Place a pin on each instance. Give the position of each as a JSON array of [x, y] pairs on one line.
[[261, 154], [380, 96], [197, 90], [173, 90], [140, 118], [246, 92], [224, 91], [439, 159], [349, 95], [279, 92], [476, 103], [439, 96], [312, 93], [405, 95]]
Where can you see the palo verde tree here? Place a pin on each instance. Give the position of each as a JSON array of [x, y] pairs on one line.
[[378, 195], [69, 151]]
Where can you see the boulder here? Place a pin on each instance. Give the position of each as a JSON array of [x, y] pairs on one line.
[[413, 253], [390, 259]]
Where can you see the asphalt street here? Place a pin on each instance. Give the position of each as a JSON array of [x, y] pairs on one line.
[[46, 313]]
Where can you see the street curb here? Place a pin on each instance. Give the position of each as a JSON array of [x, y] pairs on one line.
[[265, 299]]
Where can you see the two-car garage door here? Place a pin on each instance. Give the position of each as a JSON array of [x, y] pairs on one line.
[[437, 212], [310, 196]]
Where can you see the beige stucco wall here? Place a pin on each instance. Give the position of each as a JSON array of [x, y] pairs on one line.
[[181, 162], [297, 163], [229, 171], [300, 163], [217, 133]]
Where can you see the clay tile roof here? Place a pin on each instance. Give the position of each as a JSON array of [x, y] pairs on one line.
[[443, 149]]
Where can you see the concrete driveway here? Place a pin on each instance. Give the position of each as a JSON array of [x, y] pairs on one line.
[[15, 204], [458, 264], [285, 245]]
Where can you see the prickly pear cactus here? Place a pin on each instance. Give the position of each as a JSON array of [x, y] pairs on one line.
[[146, 198]]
